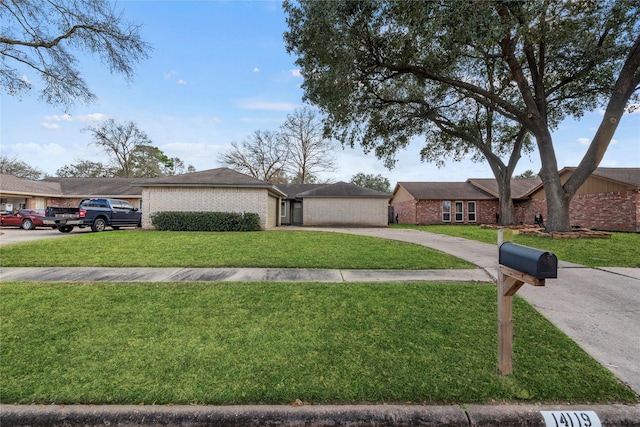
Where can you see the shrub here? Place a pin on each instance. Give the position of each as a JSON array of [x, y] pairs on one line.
[[206, 221]]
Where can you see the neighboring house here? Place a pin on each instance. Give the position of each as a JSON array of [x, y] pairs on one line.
[[608, 200], [339, 204], [472, 202], [216, 190], [73, 190], [18, 193]]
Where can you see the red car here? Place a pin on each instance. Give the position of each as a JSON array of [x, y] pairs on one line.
[[25, 218]]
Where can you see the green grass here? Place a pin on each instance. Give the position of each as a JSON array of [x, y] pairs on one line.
[[275, 343], [276, 249], [620, 250]]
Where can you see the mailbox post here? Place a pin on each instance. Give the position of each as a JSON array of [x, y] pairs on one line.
[[517, 265]]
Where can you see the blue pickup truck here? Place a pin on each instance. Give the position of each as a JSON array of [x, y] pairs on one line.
[[98, 213]]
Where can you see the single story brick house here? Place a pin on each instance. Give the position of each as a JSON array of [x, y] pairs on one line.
[[216, 190], [474, 201], [608, 200], [338, 204]]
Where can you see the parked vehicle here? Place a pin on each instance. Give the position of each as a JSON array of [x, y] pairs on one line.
[[28, 219], [97, 214]]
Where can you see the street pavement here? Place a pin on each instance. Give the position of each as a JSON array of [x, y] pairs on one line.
[[598, 308]]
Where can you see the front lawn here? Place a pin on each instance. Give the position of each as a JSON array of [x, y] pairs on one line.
[[277, 342], [620, 250], [275, 249]]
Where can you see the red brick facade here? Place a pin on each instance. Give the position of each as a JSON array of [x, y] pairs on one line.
[[424, 212], [613, 211]]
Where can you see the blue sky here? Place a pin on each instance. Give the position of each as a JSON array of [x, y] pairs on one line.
[[218, 72]]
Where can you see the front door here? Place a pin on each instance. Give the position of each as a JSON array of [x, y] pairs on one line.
[[296, 217]]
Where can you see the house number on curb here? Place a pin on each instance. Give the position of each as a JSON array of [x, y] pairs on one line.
[[571, 419]]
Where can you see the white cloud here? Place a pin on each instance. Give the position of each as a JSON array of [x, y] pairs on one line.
[[92, 117], [256, 70], [25, 79], [50, 125], [58, 118], [181, 82], [213, 121], [295, 73], [261, 104]]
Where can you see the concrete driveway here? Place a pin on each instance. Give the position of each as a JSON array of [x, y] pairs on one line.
[[9, 235]]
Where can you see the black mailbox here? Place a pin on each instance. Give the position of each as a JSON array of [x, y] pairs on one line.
[[534, 262]]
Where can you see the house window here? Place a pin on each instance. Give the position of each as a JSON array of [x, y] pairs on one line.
[[471, 211], [446, 211], [459, 212], [283, 209]]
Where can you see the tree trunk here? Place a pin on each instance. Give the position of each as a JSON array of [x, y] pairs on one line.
[[557, 199], [507, 214]]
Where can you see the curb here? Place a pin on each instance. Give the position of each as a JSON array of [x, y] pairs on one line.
[[320, 415]]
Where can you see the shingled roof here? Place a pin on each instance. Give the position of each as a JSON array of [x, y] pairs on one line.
[[98, 187], [629, 176], [520, 188], [444, 191], [12, 184], [292, 190], [223, 177], [220, 177], [344, 189]]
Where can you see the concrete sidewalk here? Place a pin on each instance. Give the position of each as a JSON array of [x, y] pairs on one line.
[[107, 274]]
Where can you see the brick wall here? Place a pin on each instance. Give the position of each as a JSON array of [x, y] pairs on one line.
[[406, 211], [203, 199], [606, 211], [613, 211], [486, 211], [354, 212], [425, 212], [525, 211]]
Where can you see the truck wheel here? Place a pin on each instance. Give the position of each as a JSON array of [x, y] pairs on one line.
[[99, 224], [27, 224], [65, 228]]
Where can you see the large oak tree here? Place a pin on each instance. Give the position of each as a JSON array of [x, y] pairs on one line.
[[552, 59]]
